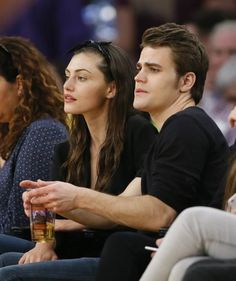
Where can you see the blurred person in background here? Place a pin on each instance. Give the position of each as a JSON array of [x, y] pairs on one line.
[[225, 89], [222, 45], [204, 20]]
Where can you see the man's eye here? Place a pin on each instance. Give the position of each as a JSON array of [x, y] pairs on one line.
[[153, 69]]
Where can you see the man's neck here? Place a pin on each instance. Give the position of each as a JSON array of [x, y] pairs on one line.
[[160, 116]]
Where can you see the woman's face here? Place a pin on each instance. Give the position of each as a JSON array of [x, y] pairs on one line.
[[85, 89], [9, 99]]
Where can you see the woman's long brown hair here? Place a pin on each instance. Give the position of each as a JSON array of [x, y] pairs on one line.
[[41, 94], [120, 70]]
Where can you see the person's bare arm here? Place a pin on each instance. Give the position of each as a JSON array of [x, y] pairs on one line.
[[99, 210], [68, 225], [140, 212]]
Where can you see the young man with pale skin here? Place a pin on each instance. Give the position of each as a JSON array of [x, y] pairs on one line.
[[183, 167]]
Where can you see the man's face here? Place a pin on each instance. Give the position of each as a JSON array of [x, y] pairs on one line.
[[156, 84]]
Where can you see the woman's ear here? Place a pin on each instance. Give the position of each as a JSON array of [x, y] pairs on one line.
[[187, 82], [19, 84], [111, 90]]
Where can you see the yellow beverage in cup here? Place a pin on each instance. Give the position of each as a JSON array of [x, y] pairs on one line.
[[42, 222]]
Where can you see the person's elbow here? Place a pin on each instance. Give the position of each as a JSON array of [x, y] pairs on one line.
[[163, 216]]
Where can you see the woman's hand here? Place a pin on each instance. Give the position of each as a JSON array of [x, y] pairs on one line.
[[41, 252], [158, 243]]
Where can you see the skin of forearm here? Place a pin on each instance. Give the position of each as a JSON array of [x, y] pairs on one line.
[[143, 212], [67, 225], [88, 219]]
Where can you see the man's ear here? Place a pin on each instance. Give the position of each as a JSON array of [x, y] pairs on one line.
[[111, 91], [187, 82], [19, 84]]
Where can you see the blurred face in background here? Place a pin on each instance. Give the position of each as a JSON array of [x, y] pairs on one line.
[[221, 46], [9, 100]]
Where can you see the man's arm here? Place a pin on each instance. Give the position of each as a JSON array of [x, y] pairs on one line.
[[140, 212], [98, 210]]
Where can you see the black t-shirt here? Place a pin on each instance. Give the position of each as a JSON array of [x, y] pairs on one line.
[[187, 162]]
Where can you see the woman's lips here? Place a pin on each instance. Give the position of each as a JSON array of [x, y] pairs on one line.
[[69, 98]]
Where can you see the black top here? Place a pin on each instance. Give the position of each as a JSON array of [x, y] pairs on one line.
[[187, 162], [139, 135]]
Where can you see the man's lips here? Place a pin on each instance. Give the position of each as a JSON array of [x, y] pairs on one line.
[[140, 91]]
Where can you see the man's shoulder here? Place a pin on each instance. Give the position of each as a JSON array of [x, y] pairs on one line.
[[193, 124], [193, 116]]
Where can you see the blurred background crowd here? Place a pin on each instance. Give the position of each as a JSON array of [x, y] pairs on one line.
[[54, 26]]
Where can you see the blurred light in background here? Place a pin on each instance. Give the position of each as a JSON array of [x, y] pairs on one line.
[[101, 17]]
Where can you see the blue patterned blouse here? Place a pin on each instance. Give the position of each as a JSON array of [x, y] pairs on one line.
[[30, 159]]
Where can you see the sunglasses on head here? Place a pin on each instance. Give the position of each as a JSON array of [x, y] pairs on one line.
[[100, 46], [4, 49]]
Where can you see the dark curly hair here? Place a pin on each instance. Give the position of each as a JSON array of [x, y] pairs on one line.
[[41, 90]]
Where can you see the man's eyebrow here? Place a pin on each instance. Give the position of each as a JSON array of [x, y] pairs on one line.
[[149, 64]]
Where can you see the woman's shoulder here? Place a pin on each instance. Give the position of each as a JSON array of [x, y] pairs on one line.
[[46, 122], [46, 129]]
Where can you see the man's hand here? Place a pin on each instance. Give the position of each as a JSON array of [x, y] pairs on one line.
[[54, 195], [41, 252]]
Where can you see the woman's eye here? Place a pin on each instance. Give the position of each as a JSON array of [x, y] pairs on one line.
[[82, 78], [66, 77]]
